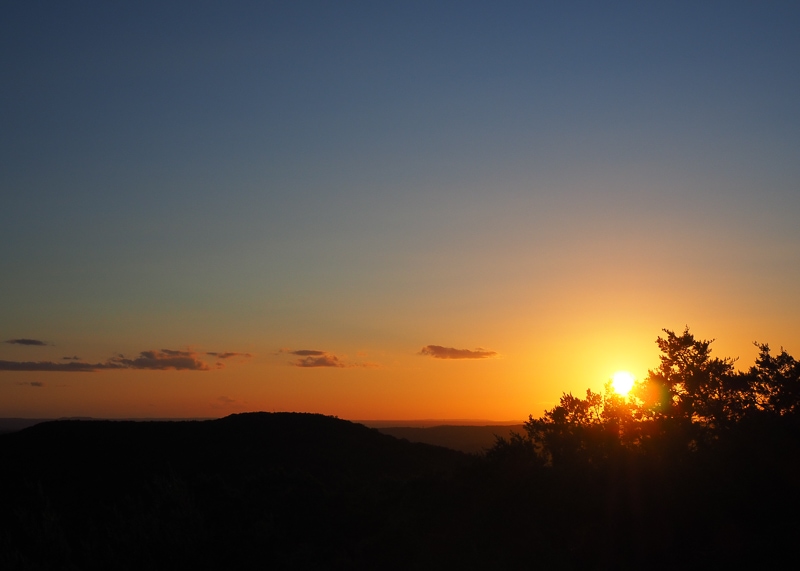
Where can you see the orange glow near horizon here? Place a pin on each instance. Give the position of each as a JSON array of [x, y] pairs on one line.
[[529, 377]]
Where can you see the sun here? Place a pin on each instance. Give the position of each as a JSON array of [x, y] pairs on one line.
[[622, 382]]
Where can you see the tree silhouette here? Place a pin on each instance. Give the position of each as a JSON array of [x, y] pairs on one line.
[[688, 402], [587, 430], [692, 386], [775, 382]]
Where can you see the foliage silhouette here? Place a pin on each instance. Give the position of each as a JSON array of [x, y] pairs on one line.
[[700, 456], [690, 401]]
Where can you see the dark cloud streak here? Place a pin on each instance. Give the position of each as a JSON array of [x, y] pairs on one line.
[[312, 358], [162, 360], [307, 353], [228, 354], [147, 360], [439, 352], [171, 353], [35, 342], [51, 367], [321, 361]]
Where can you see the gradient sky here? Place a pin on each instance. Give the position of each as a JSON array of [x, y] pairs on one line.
[[387, 210]]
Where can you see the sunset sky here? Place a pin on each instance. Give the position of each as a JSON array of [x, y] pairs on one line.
[[405, 210]]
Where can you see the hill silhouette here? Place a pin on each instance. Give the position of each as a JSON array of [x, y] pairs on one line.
[[299, 490]]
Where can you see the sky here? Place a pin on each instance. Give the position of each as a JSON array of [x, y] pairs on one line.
[[395, 210]]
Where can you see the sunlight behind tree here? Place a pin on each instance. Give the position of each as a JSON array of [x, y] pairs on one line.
[[622, 382]]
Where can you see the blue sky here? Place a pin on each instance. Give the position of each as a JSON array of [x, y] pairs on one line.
[[522, 177]]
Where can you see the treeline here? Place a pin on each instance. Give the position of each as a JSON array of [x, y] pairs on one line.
[[699, 466], [690, 404]]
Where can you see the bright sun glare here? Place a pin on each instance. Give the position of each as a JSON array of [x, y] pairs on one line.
[[622, 382]]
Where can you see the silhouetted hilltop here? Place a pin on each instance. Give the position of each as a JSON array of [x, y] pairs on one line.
[[250, 440], [296, 489], [14, 424]]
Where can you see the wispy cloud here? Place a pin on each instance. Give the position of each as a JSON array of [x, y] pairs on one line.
[[320, 361], [154, 360], [309, 358], [439, 352], [306, 352], [174, 353], [228, 354], [51, 367], [35, 384], [224, 403], [162, 360], [35, 342]]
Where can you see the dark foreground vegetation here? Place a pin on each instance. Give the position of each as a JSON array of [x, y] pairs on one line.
[[699, 469]]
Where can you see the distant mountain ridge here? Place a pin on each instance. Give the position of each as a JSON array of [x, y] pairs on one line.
[[431, 422], [470, 439]]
